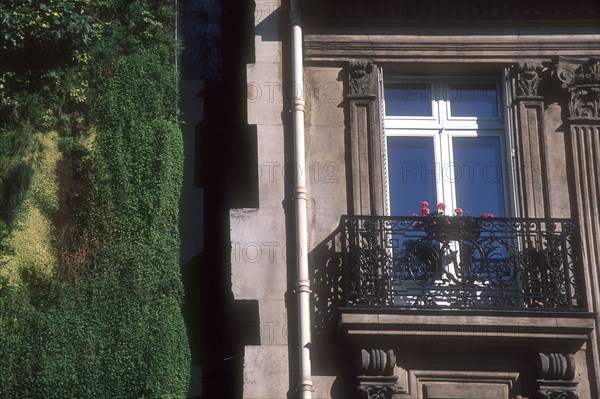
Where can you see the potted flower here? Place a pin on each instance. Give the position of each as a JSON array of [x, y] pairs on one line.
[[448, 227]]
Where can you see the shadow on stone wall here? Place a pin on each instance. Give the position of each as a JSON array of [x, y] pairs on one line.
[[330, 354]]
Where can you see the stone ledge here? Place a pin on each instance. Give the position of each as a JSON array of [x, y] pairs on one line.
[[574, 327]]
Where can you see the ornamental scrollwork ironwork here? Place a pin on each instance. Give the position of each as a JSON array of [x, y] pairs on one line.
[[460, 262]]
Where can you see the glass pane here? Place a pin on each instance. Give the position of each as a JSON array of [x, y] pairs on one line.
[[411, 173], [478, 168], [473, 100], [406, 99]]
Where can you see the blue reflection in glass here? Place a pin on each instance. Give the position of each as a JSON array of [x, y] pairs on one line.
[[411, 174], [478, 175], [473, 100], [406, 99]]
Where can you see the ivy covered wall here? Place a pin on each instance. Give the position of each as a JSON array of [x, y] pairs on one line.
[[90, 177]]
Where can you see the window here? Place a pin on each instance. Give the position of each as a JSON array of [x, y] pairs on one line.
[[446, 142]]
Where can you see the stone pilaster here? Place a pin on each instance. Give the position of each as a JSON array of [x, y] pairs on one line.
[[528, 108], [366, 162]]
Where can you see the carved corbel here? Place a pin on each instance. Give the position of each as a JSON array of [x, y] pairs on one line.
[[376, 379], [556, 372]]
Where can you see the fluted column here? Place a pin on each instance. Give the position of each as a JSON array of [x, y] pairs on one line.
[[582, 83], [583, 87]]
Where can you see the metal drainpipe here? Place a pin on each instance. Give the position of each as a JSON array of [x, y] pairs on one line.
[[303, 291]]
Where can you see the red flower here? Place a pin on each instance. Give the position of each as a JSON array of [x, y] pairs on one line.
[[414, 214], [424, 204], [441, 206], [486, 215], [424, 211], [458, 212]]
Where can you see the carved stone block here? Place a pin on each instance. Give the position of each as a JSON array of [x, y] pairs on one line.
[[556, 372], [376, 379]]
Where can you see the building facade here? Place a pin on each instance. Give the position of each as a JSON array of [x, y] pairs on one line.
[[358, 112]]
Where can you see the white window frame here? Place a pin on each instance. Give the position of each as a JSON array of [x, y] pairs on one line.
[[443, 127]]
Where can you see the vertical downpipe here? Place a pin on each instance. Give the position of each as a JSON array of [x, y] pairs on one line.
[[303, 291]]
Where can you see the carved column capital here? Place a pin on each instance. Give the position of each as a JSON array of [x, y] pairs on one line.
[[582, 81], [376, 379], [527, 76], [362, 78], [556, 372]]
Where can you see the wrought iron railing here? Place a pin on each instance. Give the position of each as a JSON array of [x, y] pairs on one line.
[[461, 262]]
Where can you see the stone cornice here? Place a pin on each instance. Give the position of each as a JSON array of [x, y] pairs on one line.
[[474, 47], [439, 11]]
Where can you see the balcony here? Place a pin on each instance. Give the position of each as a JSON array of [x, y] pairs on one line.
[[461, 263]]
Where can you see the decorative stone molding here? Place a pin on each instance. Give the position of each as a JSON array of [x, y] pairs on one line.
[[362, 79], [376, 378], [556, 372], [527, 76], [582, 80]]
